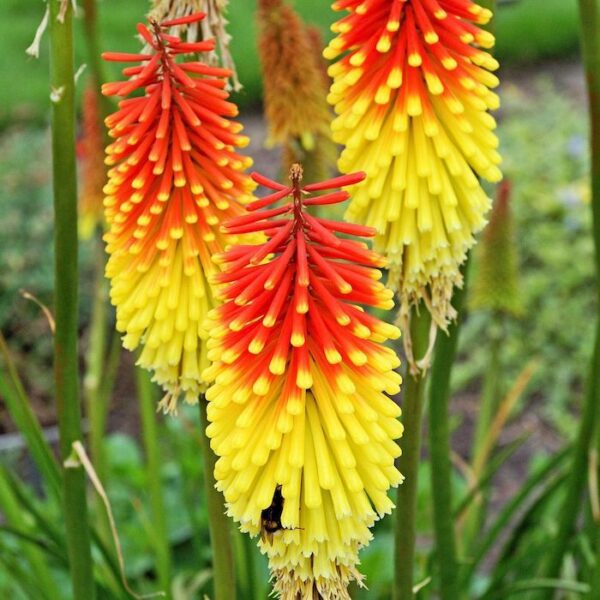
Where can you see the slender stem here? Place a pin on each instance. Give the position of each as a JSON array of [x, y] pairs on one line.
[[66, 293], [406, 511], [589, 11], [146, 395], [218, 522], [440, 451]]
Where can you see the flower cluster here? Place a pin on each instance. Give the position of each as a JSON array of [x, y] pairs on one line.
[[174, 177], [295, 90], [298, 411], [412, 87]]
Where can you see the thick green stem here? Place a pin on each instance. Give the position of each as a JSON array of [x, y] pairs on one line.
[[218, 522], [66, 294], [406, 504], [590, 29], [146, 396], [440, 451]]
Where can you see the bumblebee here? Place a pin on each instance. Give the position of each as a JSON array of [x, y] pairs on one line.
[[270, 517]]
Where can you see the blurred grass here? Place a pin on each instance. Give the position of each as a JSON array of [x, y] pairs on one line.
[[526, 30]]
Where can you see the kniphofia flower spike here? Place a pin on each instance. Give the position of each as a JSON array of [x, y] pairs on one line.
[[174, 178], [298, 411], [412, 87]]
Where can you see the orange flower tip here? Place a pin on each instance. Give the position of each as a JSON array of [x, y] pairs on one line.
[[358, 59], [415, 60], [345, 288], [393, 26], [176, 233], [304, 379], [358, 358], [256, 347], [297, 340], [440, 14], [191, 219], [343, 320], [384, 44], [277, 366], [449, 63], [229, 356], [268, 321], [261, 386], [467, 38], [361, 331], [162, 244], [431, 37], [226, 185], [333, 356], [240, 301]]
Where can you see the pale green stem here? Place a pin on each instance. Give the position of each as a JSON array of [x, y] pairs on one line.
[[406, 504], [147, 398], [440, 450]]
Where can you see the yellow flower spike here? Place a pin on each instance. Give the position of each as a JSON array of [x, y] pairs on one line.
[[411, 90]]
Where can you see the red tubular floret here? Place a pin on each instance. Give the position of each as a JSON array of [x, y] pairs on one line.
[[341, 181], [193, 18]]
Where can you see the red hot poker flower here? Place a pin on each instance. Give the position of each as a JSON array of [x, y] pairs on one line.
[[175, 177], [299, 416]]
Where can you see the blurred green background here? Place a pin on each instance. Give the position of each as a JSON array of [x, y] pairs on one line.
[[527, 30]]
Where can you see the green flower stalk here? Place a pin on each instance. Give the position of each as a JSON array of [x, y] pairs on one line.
[[405, 533], [62, 86]]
